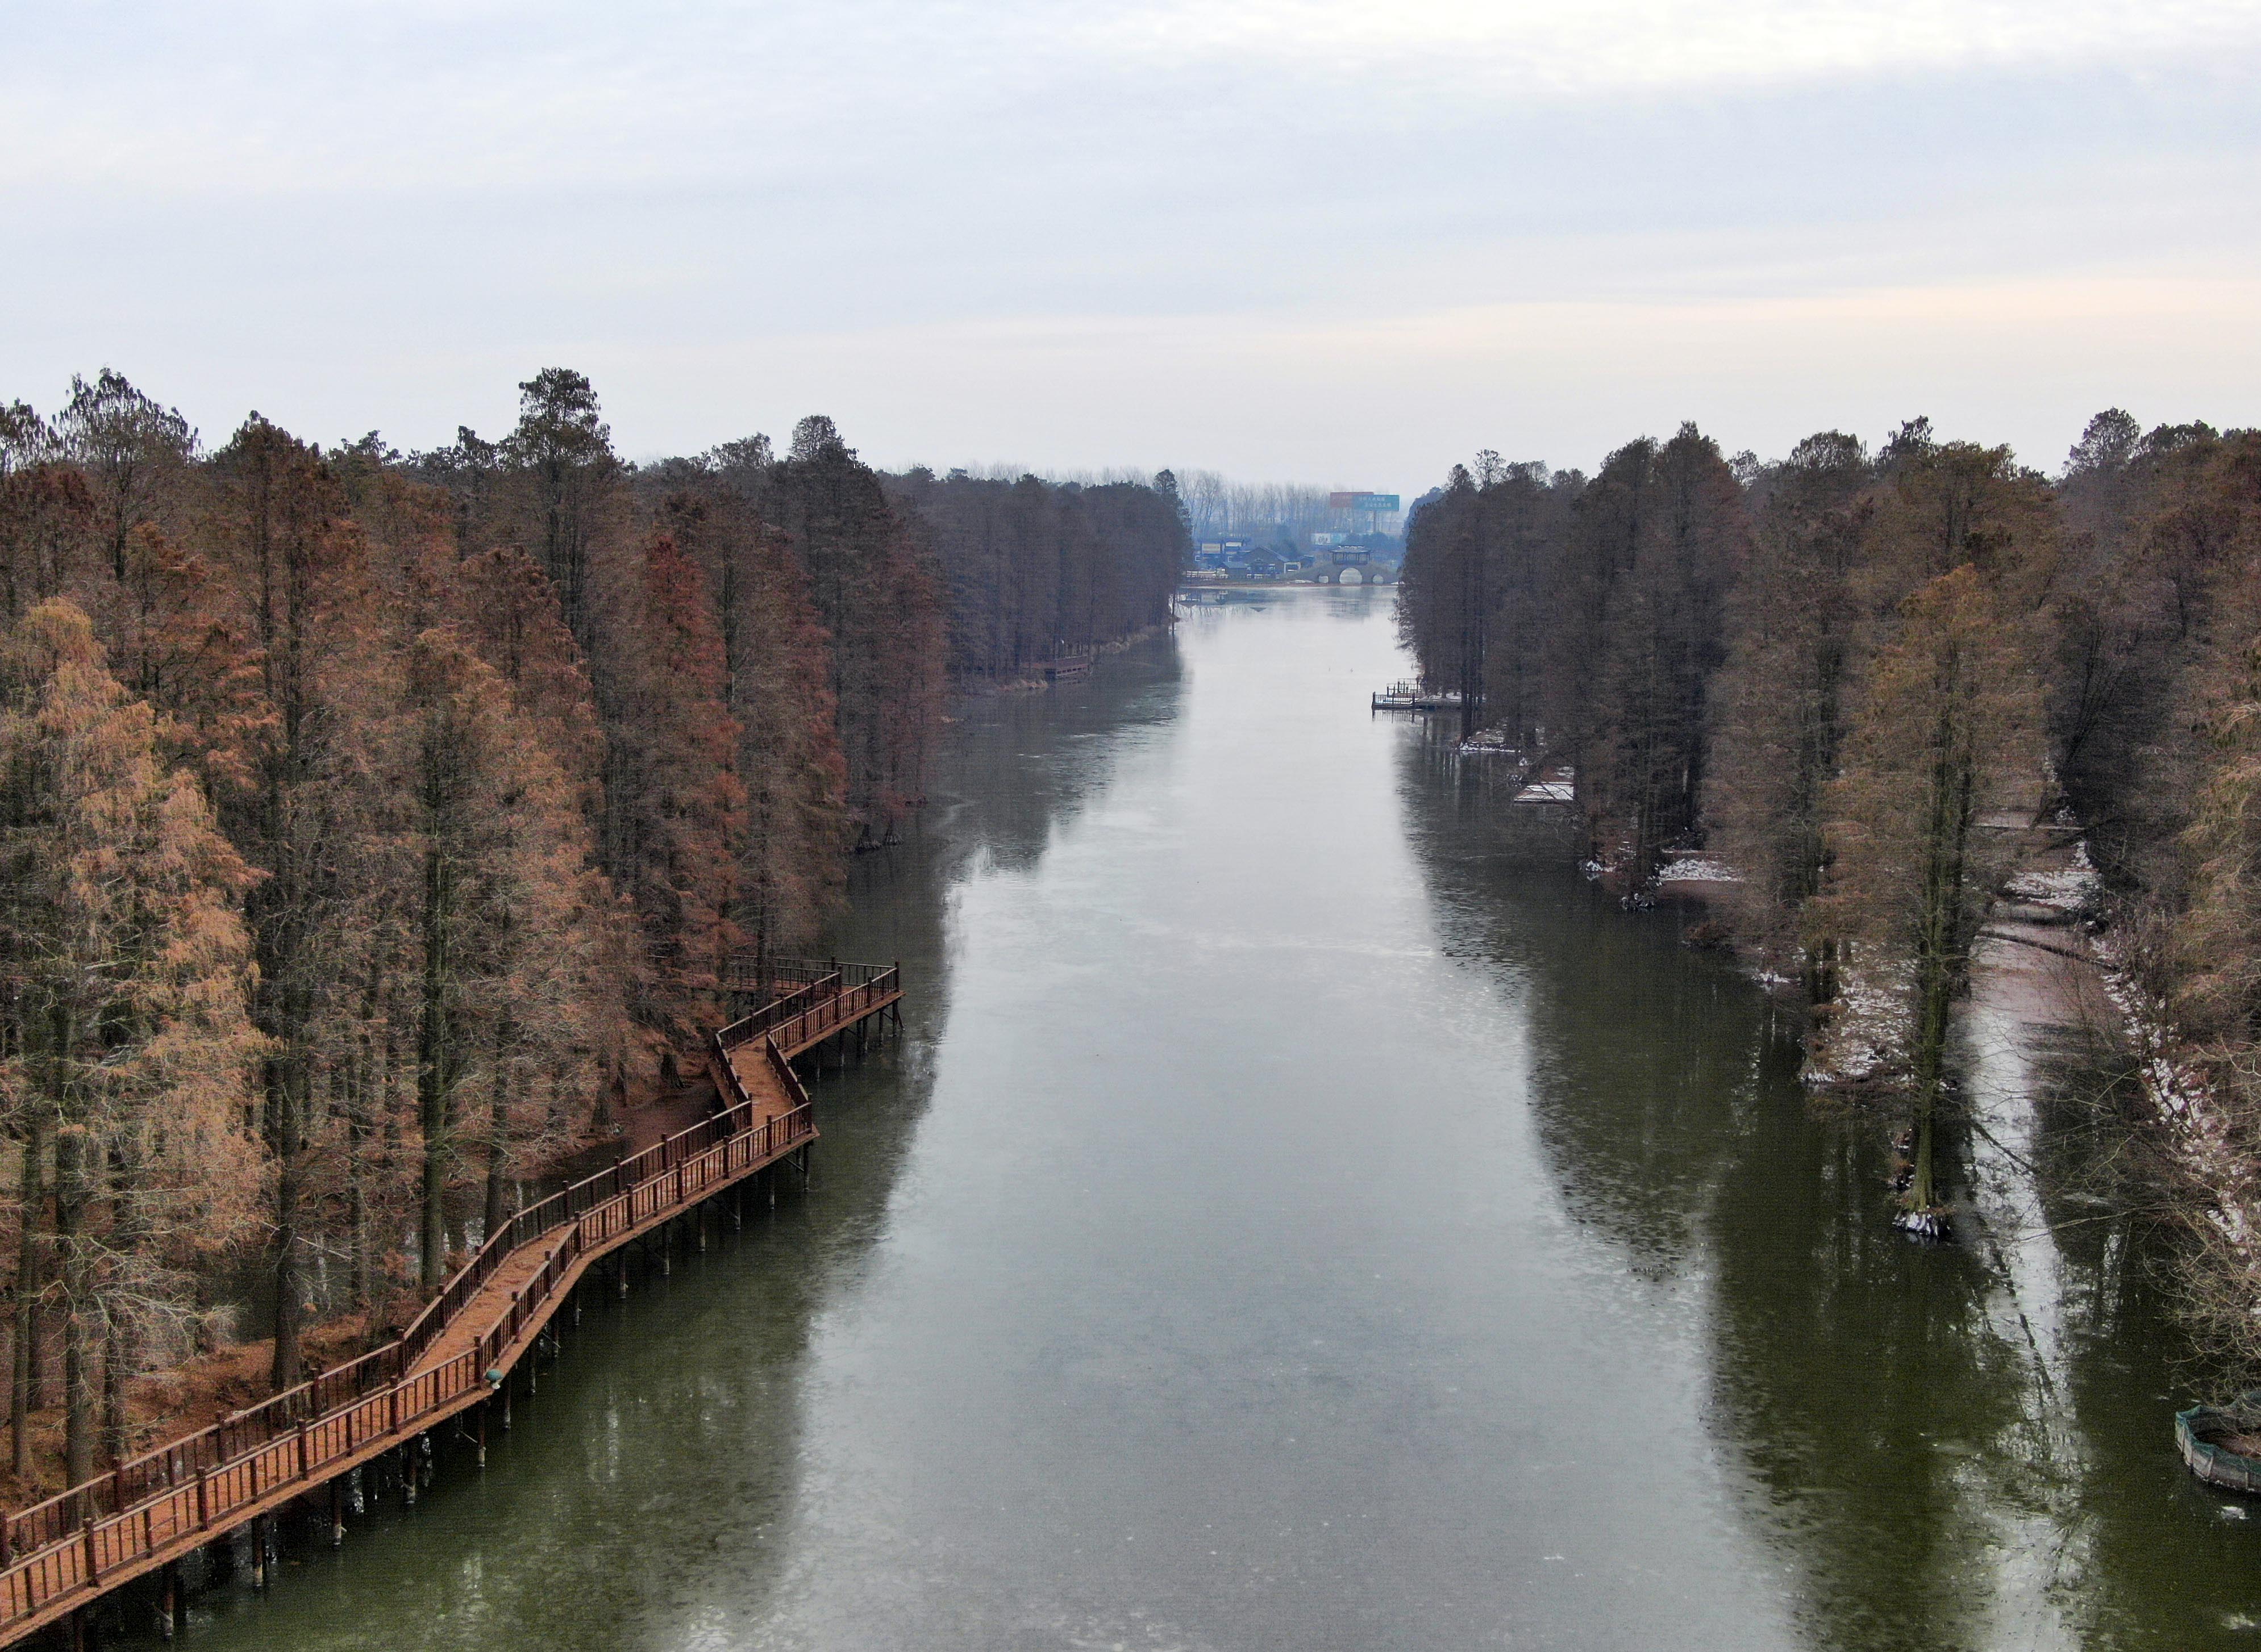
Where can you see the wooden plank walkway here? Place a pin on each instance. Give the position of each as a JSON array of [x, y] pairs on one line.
[[75, 1548]]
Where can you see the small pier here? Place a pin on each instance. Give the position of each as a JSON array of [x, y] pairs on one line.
[[1072, 666], [1415, 697], [145, 1515]]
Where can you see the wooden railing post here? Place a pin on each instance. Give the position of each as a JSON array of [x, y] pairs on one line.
[[93, 1555], [203, 1504]]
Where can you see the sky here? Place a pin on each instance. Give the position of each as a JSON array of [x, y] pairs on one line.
[[1335, 241]]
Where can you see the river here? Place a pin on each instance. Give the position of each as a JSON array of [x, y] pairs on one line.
[[1302, 1213]]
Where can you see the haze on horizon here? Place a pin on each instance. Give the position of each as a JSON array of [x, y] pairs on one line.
[[1306, 238]]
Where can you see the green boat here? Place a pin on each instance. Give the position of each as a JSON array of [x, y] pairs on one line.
[[2201, 1433]]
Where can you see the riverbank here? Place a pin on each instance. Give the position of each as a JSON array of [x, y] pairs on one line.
[[976, 688]]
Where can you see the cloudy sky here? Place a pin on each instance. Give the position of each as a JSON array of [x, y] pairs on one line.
[[1346, 241]]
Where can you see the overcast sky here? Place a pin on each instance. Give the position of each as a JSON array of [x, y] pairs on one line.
[[1343, 241]]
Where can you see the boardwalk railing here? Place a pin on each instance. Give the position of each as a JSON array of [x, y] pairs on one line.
[[826, 1016], [747, 1028], [812, 1013], [750, 972], [190, 1487]]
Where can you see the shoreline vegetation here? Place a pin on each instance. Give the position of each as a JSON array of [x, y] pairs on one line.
[[1900, 705], [379, 828]]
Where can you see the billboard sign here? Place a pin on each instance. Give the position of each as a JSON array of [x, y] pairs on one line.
[[1380, 503]]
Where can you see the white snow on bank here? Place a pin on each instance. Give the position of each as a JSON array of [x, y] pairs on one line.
[[1548, 792], [1875, 1022], [2071, 888], [1699, 871], [2197, 1128]]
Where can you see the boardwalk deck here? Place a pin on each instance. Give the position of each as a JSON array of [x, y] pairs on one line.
[[77, 1548]]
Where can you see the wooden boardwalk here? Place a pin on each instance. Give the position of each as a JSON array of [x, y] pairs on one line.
[[57, 1557]]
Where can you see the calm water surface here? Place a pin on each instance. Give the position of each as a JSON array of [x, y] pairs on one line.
[[1301, 1214]]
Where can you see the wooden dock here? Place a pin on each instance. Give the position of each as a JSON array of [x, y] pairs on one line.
[[1413, 696], [1068, 668], [58, 1557]]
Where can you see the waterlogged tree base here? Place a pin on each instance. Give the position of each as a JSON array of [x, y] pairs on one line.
[[1929, 1226]]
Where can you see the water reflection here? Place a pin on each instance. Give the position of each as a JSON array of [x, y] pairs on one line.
[[645, 1494], [1302, 1213], [1962, 1447]]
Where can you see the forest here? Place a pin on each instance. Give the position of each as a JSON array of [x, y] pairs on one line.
[[378, 827], [1862, 682]]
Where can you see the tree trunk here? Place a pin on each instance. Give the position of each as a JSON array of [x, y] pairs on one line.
[[286, 1081], [357, 1192], [1939, 941], [128, 1236], [499, 1128], [435, 1061], [24, 1395], [72, 1194]]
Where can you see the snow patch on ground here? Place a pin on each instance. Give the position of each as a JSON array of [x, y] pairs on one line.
[[2197, 1121], [1699, 871], [1872, 1025], [2077, 888]]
